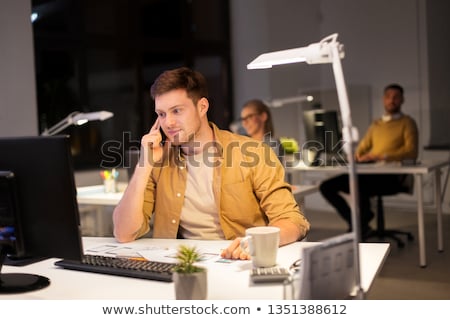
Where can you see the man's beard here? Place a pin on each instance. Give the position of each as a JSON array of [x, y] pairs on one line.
[[177, 142]]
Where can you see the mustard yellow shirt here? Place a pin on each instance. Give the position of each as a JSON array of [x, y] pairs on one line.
[[248, 185], [395, 140]]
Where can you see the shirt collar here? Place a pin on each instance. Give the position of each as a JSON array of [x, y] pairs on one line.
[[390, 117]]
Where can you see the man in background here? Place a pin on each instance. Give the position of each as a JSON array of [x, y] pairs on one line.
[[393, 137]]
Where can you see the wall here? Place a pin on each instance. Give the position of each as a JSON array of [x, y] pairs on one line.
[[376, 53], [439, 66], [401, 41], [18, 109], [385, 42]]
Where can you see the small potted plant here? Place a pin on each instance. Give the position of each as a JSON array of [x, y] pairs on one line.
[[290, 150], [190, 280]]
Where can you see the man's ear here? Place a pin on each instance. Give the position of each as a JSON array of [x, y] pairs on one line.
[[203, 106]]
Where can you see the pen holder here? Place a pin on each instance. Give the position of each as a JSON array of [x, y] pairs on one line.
[[110, 180], [110, 185]]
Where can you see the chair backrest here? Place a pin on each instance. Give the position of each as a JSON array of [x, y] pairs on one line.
[[406, 186]]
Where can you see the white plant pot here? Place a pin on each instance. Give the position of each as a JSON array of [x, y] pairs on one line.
[[190, 286]]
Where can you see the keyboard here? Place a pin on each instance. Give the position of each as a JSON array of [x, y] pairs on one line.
[[149, 270]]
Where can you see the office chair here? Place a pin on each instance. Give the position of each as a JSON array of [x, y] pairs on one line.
[[381, 232]]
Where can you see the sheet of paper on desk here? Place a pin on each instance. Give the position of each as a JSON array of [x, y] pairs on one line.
[[159, 254], [169, 255], [151, 253], [101, 248], [124, 251]]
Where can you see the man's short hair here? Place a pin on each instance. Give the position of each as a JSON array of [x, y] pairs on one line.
[[394, 86], [181, 78]]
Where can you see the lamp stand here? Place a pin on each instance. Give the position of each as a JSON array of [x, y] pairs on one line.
[[328, 50], [350, 136]]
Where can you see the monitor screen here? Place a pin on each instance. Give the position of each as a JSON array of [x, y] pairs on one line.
[[323, 137], [11, 238], [39, 215], [46, 197]]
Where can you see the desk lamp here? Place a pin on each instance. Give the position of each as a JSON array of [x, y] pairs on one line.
[[77, 118], [279, 102], [328, 50]]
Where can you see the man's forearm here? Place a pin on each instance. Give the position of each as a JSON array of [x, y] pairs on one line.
[[289, 232], [127, 216]]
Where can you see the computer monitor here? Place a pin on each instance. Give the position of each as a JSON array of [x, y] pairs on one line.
[[38, 203], [323, 137]]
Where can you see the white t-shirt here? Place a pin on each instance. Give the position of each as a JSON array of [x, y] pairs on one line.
[[199, 216]]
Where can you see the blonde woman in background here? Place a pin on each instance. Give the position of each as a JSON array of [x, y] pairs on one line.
[[257, 122]]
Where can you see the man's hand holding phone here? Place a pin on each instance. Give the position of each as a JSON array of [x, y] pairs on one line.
[[152, 144]]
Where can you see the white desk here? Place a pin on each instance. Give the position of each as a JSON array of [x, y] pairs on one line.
[[225, 281], [419, 170], [94, 199], [96, 195]]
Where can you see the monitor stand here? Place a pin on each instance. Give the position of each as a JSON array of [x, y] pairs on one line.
[[19, 282]]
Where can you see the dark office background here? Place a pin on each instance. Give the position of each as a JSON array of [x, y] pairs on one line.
[[94, 55]]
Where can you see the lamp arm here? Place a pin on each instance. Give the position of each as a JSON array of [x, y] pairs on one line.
[[60, 126], [350, 139], [276, 103]]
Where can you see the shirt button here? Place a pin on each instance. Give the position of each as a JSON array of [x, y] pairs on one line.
[[178, 194], [174, 221]]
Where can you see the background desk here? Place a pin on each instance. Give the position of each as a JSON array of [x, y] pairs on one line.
[[96, 195], [419, 170], [95, 199], [225, 281]]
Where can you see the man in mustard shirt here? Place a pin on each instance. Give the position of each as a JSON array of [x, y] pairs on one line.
[[393, 137], [202, 182]]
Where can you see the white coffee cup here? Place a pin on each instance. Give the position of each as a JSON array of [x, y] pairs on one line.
[[262, 245]]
